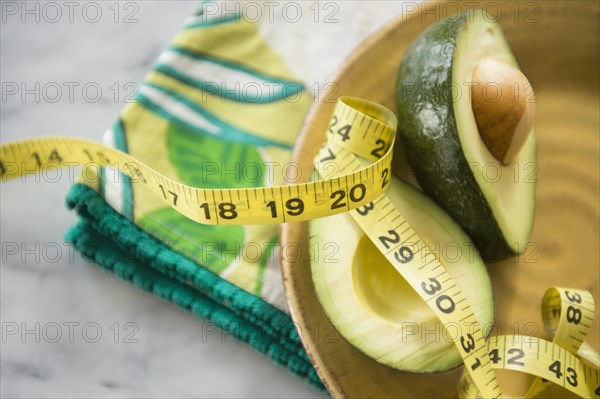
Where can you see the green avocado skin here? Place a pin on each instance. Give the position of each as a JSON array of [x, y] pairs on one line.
[[428, 130]]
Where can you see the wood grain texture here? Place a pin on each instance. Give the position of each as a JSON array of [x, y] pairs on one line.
[[558, 50]]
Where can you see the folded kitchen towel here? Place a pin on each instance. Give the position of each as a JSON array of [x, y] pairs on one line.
[[219, 109]]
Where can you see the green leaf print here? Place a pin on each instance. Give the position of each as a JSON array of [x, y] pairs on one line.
[[204, 161]]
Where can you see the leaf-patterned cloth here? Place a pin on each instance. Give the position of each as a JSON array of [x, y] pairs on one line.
[[219, 109], [218, 106]]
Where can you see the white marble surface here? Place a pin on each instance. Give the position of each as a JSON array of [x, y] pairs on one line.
[[44, 283]]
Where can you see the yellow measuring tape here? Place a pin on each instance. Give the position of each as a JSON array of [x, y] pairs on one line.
[[567, 315], [370, 137], [362, 129]]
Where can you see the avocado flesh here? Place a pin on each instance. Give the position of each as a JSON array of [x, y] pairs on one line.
[[371, 304], [493, 202]]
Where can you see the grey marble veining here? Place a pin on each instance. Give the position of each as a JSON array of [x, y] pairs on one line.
[[68, 329]]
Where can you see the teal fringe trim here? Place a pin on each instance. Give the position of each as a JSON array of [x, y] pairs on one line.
[[104, 236]]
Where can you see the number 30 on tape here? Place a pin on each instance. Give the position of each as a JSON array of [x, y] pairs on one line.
[[362, 129]]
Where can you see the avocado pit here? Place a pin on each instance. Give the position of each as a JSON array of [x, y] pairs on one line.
[[504, 106]]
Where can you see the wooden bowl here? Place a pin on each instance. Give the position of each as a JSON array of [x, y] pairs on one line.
[[557, 45]]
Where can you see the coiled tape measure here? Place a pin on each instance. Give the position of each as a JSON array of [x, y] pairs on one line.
[[363, 129]]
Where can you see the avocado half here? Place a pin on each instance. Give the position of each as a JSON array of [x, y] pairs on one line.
[[493, 202], [371, 304]]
